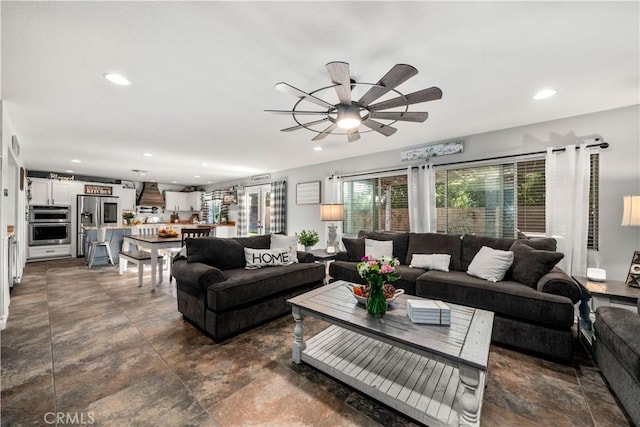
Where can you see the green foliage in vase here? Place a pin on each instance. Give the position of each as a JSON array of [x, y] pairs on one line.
[[308, 237]]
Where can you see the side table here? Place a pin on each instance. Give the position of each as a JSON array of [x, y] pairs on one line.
[[321, 255], [609, 293]]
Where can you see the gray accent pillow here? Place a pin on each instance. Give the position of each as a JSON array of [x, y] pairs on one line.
[[490, 264], [354, 247], [529, 264], [435, 243]]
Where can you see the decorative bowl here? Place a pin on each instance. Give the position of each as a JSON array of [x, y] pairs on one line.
[[363, 300], [174, 234]]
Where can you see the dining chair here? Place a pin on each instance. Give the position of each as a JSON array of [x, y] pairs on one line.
[[101, 241], [187, 232]]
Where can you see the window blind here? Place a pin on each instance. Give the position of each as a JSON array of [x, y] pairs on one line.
[[375, 204]]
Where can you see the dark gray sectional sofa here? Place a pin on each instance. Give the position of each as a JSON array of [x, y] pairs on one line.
[[617, 349], [536, 316], [222, 298]]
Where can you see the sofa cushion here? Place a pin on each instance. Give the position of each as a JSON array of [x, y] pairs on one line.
[[248, 286], [529, 265], [378, 248], [400, 242], [490, 264], [224, 254], [431, 262], [354, 247], [283, 241], [471, 245], [254, 242], [260, 258], [509, 299], [346, 270], [435, 243], [617, 328]]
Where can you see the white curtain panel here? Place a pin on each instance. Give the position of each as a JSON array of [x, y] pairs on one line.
[[567, 205], [421, 182]]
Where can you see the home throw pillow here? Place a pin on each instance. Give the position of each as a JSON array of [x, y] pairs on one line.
[[431, 261], [529, 264], [378, 248], [490, 264], [354, 247], [258, 258], [280, 241]]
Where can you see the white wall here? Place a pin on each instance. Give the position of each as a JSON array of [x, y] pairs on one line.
[[619, 174], [11, 207]]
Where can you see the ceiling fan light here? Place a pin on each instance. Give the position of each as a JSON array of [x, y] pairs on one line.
[[348, 117]]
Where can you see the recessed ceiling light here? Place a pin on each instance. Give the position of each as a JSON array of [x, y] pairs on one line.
[[69, 171], [147, 154], [76, 161], [153, 180], [174, 182], [117, 79], [196, 176], [205, 164], [544, 94], [317, 148], [208, 182]]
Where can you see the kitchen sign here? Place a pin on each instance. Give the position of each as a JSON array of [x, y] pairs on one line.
[[102, 190]]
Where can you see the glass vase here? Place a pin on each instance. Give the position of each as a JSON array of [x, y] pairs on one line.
[[376, 302]]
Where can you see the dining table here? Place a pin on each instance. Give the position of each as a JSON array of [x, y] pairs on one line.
[[153, 243]]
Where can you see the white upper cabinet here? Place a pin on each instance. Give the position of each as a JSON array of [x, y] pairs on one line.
[[127, 197], [182, 201], [50, 192]]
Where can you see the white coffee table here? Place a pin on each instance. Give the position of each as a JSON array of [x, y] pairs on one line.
[[434, 374]]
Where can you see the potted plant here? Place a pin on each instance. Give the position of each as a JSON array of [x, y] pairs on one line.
[[128, 217], [308, 238]]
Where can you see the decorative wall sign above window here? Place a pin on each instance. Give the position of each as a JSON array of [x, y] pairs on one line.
[[434, 150]]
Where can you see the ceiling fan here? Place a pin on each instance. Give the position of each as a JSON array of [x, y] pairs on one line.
[[348, 114]]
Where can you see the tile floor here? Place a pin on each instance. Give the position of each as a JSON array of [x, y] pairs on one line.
[[93, 348]]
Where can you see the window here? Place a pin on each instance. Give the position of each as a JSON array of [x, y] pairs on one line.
[[506, 200], [376, 204]]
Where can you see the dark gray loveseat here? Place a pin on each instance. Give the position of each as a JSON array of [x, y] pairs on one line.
[[222, 298], [536, 316], [618, 354]]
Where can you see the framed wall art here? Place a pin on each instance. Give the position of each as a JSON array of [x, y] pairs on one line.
[[308, 193]]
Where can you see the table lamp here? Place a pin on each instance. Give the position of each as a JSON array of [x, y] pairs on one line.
[[332, 212], [631, 217]]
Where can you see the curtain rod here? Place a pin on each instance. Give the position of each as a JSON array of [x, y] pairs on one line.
[[599, 143]]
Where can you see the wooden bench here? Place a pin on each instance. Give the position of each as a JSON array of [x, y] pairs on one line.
[[140, 258]]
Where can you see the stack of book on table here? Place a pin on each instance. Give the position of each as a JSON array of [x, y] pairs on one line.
[[428, 311]]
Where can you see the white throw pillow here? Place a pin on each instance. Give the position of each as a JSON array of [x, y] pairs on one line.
[[279, 241], [431, 261], [490, 264], [378, 248], [258, 258]]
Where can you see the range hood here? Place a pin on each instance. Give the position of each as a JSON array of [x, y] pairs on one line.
[[150, 195]]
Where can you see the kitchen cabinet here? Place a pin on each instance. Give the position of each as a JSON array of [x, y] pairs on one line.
[[225, 231], [127, 197], [182, 201], [50, 192]]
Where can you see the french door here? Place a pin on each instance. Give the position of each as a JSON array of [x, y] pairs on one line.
[[258, 209]]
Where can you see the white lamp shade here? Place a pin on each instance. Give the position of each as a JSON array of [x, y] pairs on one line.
[[631, 212], [332, 212]]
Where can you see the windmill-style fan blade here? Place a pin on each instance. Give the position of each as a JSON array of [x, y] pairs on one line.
[[379, 127], [287, 88], [399, 74], [306, 113], [339, 73], [324, 133], [405, 116], [305, 125], [424, 95], [353, 135]]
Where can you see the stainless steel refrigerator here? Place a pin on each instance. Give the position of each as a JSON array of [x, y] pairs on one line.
[[95, 211]]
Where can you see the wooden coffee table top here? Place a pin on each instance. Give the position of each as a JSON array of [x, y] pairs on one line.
[[465, 341]]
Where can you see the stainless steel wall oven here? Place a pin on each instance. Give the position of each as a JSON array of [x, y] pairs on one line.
[[49, 225]]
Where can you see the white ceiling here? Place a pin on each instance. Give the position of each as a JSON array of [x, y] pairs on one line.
[[203, 72]]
